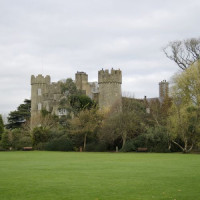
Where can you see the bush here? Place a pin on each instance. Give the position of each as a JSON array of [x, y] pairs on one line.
[[140, 141], [19, 139], [40, 135], [157, 139], [1, 127], [96, 147], [55, 134], [6, 140], [1, 148], [25, 141], [59, 144], [40, 146], [129, 146]]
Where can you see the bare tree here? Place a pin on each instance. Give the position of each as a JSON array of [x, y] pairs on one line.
[[183, 53]]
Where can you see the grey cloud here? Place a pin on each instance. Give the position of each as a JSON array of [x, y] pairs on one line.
[[65, 36]]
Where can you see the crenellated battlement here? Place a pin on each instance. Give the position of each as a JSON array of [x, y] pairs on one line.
[[40, 79], [114, 76], [81, 76], [163, 82]]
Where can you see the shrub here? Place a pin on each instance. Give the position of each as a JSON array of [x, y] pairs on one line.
[[1, 127], [20, 139], [40, 146], [25, 141], [96, 147], [40, 135], [16, 136], [157, 139], [129, 146], [59, 144], [6, 140], [140, 141]]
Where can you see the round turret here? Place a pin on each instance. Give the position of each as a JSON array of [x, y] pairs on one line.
[[110, 88]]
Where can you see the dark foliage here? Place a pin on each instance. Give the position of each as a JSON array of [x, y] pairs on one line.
[[1, 127], [62, 143], [40, 135], [20, 116]]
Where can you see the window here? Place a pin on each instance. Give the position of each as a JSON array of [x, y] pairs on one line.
[[62, 112], [39, 106], [39, 92]]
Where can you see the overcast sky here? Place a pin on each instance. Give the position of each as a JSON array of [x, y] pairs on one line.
[[60, 37]]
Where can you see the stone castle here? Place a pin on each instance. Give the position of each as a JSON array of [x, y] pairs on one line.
[[46, 95]]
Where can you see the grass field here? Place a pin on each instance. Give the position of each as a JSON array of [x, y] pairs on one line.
[[62, 175]]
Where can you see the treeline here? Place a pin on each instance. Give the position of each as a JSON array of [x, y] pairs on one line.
[[90, 129], [170, 125]]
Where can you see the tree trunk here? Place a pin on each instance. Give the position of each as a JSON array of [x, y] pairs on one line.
[[85, 140], [124, 136], [169, 146], [178, 145], [185, 148]]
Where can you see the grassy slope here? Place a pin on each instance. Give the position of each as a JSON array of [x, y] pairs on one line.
[[61, 175]]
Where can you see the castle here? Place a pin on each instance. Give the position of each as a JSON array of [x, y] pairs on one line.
[[46, 95]]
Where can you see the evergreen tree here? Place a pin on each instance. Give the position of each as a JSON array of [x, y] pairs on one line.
[[1, 127], [21, 115], [5, 141]]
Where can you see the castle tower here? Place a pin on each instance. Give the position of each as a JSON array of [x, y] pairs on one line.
[[39, 86], [163, 90], [81, 79], [109, 88]]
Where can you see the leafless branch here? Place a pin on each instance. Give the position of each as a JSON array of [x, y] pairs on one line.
[[183, 53]]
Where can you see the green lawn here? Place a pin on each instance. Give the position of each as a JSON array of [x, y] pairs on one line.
[[62, 175]]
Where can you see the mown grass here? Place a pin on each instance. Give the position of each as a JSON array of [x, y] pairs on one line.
[[63, 175]]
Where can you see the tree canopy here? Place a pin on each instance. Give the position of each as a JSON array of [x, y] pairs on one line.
[[20, 116], [1, 126], [74, 100], [184, 119], [86, 122]]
